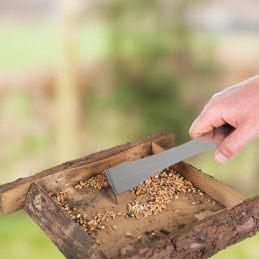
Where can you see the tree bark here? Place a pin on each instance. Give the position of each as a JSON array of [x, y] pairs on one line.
[[208, 236], [69, 238]]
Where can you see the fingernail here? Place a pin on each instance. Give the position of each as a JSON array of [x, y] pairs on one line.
[[220, 158]]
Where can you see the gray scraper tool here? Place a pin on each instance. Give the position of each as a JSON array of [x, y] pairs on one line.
[[128, 175]]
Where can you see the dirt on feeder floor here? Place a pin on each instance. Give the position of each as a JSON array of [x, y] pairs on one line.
[[122, 228]]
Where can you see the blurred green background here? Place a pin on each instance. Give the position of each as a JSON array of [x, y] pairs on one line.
[[80, 76]]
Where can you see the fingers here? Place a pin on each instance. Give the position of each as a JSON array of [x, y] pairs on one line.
[[233, 144], [206, 121]]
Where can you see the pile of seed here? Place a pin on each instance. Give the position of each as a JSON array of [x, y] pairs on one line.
[[98, 181], [161, 189]]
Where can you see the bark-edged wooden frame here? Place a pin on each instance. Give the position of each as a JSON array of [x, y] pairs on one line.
[[200, 240], [238, 221]]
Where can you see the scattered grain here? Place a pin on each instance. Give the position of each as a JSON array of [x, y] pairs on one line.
[[98, 241], [114, 227], [139, 238], [151, 197], [128, 234]]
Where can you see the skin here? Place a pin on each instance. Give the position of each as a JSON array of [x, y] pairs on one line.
[[238, 106]]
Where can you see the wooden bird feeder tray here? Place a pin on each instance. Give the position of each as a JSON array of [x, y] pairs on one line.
[[197, 231]]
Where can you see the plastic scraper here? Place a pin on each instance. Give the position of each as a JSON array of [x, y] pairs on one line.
[[128, 175]]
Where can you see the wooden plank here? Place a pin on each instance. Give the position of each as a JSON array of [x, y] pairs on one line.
[[223, 193], [69, 238], [166, 141], [156, 148], [13, 194], [208, 236]]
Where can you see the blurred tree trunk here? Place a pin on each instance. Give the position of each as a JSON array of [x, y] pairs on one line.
[[67, 87]]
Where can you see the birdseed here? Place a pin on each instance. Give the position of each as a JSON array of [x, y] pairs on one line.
[[151, 197]]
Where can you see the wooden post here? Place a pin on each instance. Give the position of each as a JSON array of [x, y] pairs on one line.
[[67, 87]]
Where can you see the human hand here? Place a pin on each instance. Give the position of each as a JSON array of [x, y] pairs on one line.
[[238, 106]]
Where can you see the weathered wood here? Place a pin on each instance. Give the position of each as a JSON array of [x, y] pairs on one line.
[[156, 148], [13, 194], [219, 191], [69, 238], [208, 236], [165, 142]]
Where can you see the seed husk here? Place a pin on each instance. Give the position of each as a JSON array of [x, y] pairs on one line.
[[128, 234], [98, 241], [139, 237]]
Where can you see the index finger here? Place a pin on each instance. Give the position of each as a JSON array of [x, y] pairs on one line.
[[205, 122]]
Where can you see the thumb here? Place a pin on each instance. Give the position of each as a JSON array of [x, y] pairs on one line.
[[232, 145]]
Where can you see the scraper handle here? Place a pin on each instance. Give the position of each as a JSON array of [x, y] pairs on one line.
[[218, 134]]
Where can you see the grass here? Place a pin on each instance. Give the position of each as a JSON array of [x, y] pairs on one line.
[[21, 238], [248, 249]]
